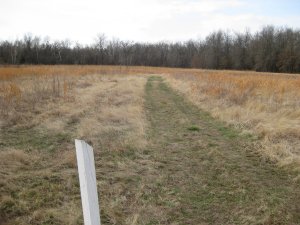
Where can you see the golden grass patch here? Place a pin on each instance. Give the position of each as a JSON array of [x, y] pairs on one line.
[[38, 162], [43, 108], [263, 104]]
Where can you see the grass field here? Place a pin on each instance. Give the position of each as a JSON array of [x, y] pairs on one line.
[[172, 146], [262, 104]]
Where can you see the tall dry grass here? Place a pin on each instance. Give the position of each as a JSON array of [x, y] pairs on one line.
[[11, 72], [25, 89], [263, 104], [104, 105], [38, 180]]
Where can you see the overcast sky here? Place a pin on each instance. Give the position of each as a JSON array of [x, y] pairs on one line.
[[141, 20]]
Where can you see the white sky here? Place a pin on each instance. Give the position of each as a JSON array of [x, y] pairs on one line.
[[140, 20]]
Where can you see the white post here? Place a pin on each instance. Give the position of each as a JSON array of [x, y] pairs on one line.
[[88, 185]]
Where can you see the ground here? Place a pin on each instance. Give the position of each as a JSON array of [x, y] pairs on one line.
[[207, 173], [159, 160]]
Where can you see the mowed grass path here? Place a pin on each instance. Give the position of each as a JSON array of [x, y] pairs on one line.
[[191, 170], [209, 173]]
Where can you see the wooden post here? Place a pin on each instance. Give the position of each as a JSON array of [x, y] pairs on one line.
[[88, 184]]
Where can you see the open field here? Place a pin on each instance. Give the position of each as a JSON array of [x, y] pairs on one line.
[[265, 105], [262, 104], [39, 183], [209, 155]]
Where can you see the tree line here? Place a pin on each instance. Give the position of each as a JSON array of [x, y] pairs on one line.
[[271, 49]]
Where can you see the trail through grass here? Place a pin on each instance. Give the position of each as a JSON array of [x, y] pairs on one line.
[[209, 173], [191, 169]]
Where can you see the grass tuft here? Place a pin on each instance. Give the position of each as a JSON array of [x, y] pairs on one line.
[[193, 128]]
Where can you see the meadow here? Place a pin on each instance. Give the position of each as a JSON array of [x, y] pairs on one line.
[[42, 110], [265, 105], [219, 122]]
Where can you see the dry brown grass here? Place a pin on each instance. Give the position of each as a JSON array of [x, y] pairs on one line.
[[263, 104], [38, 179], [43, 108], [12, 72], [27, 88]]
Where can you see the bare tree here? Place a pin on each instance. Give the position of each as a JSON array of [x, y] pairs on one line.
[[270, 49]]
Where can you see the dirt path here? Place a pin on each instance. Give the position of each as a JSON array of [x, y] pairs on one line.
[[207, 173]]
